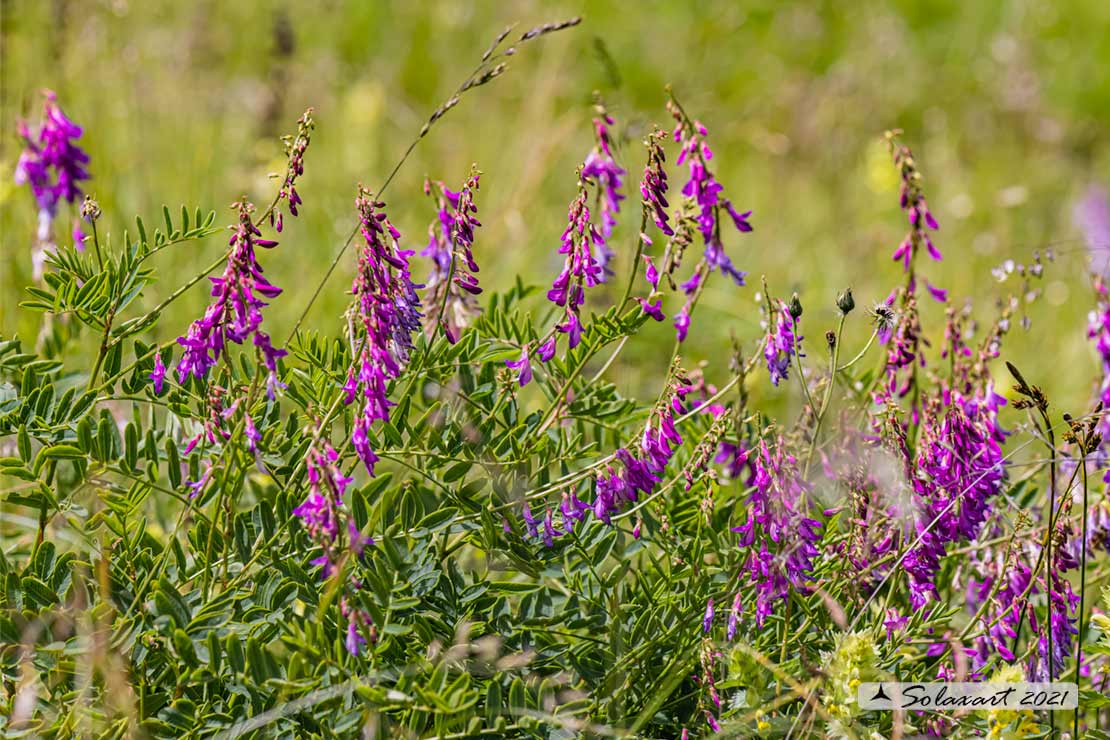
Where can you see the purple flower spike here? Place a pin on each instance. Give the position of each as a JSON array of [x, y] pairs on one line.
[[581, 270], [236, 312], [653, 185], [601, 169], [452, 284], [52, 163], [385, 316], [778, 350]]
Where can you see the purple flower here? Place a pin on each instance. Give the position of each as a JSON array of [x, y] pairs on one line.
[[712, 722], [523, 366], [682, 323], [894, 622], [960, 469], [716, 258], [642, 469], [1098, 329], [452, 284], [651, 274], [581, 270], [781, 342], [322, 511], [531, 525], [354, 641], [357, 620], [1092, 215], [385, 316], [51, 162], [740, 220], [705, 191], [549, 531], [197, 487], [158, 375], [911, 198], [787, 538], [653, 185], [295, 147], [734, 616], [602, 169], [236, 312], [251, 432], [654, 310], [940, 294], [707, 620]]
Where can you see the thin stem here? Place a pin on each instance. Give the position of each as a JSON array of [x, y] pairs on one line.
[[96, 245], [834, 353], [862, 352], [635, 260], [798, 364]]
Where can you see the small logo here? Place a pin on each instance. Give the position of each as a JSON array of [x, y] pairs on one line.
[[954, 697], [880, 695]]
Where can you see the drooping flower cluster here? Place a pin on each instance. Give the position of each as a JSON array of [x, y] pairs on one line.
[[385, 314], [959, 470], [602, 169], [295, 147], [705, 191], [653, 185], [780, 536], [51, 163], [581, 270], [642, 470], [782, 341], [1008, 581], [638, 472], [452, 284], [700, 213], [326, 520], [911, 198], [236, 313]]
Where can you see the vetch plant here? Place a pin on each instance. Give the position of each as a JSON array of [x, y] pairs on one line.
[[441, 515]]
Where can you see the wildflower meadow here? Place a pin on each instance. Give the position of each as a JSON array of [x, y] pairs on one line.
[[652, 469]]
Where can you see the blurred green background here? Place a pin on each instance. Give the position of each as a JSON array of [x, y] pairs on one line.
[[1005, 103]]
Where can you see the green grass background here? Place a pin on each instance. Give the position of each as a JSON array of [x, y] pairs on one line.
[[1007, 105]]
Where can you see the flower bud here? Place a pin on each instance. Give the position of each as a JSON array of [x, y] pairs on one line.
[[90, 209], [795, 307], [845, 302]]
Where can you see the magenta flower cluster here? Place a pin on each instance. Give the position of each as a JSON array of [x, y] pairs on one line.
[[781, 343], [453, 284], [602, 169], [236, 313], [385, 316], [325, 519], [704, 189], [52, 163], [960, 470], [776, 516], [637, 474]]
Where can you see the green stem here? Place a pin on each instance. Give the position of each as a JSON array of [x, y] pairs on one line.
[[834, 353], [1082, 588], [862, 352]]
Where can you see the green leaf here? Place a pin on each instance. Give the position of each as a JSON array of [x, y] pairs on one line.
[[38, 591], [64, 452]]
